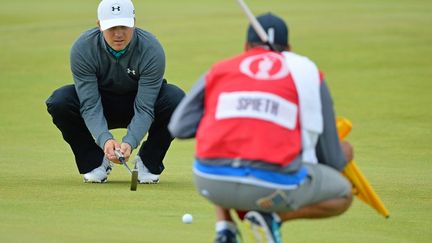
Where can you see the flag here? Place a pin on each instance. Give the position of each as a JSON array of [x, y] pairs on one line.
[[361, 186]]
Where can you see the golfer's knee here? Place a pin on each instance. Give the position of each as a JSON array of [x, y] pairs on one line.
[[55, 106], [176, 95], [61, 102], [171, 97]]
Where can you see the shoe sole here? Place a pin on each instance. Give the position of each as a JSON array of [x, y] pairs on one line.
[[255, 232], [149, 182], [259, 232], [96, 181]]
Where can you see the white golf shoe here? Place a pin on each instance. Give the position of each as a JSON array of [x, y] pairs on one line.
[[144, 175], [99, 174]]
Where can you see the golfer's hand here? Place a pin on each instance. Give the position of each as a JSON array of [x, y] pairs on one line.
[[347, 150], [126, 150], [109, 148]]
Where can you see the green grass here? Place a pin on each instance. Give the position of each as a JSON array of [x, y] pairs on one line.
[[376, 55]]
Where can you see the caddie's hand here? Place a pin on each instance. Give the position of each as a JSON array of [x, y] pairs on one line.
[[348, 150], [109, 148], [126, 150]]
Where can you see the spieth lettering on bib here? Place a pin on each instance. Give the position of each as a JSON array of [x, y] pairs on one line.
[[257, 105]]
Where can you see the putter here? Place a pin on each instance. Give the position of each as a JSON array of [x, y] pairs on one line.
[[256, 25], [134, 173]]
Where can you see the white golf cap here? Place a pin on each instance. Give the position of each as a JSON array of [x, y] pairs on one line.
[[116, 13]]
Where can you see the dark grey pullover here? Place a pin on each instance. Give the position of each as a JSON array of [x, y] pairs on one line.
[[140, 70]]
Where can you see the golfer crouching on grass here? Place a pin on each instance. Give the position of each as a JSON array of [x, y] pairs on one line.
[[266, 140], [118, 83]]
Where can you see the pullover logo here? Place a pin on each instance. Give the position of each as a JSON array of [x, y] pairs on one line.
[[129, 71], [115, 9], [267, 66]]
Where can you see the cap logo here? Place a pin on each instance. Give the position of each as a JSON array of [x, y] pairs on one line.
[[115, 9], [267, 66]]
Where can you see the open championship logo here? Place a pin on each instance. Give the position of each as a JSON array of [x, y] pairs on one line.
[[267, 66]]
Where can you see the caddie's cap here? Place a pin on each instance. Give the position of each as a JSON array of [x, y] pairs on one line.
[[275, 28], [116, 13]]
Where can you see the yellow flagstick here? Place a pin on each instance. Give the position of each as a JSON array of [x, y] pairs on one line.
[[361, 186]]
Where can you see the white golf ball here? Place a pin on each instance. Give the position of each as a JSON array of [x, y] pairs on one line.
[[187, 218]]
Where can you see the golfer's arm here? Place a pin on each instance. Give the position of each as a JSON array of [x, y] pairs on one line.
[[328, 148], [88, 93], [185, 119], [148, 90]]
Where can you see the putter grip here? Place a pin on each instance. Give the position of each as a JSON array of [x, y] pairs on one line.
[[119, 156]]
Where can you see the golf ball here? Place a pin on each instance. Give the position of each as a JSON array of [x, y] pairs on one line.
[[187, 218]]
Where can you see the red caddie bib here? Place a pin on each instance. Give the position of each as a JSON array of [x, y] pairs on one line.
[[251, 110]]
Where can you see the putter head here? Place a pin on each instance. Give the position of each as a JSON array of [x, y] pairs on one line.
[[134, 179]]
